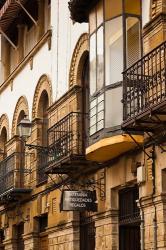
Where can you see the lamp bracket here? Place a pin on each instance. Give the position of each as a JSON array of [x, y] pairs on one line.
[[40, 148]]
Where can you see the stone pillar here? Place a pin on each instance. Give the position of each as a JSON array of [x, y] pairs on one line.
[[41, 19], [154, 32], [10, 244], [154, 231], [65, 236], [107, 230], [31, 241]]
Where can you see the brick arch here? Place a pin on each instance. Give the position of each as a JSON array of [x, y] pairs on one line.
[[4, 122], [44, 84], [22, 105], [78, 59]]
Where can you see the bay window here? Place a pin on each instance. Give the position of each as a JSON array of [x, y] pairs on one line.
[[114, 28]]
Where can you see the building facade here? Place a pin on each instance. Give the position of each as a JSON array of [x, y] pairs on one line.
[[93, 128]]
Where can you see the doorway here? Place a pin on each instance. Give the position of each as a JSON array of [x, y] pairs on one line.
[[19, 236], [43, 224], [129, 219], [87, 232]]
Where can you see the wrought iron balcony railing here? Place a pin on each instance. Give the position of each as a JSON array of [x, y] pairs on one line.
[[145, 84], [15, 173], [66, 139]]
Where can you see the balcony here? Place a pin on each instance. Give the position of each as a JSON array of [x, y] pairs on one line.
[[8, 12], [66, 150], [15, 177], [144, 92]]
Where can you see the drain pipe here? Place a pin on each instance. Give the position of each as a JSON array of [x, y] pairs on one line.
[[155, 231], [142, 225], [153, 193]]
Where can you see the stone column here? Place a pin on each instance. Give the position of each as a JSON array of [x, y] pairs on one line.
[[154, 225], [107, 230], [10, 244], [31, 241], [154, 32], [65, 236]]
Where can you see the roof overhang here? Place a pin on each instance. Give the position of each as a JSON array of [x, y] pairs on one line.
[[79, 9], [9, 12]]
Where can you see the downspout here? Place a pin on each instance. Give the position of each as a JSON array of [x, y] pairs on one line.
[[153, 193], [142, 225]]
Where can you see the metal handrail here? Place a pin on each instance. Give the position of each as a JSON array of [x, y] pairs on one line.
[[144, 83]]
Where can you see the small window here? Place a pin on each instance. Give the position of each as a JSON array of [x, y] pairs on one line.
[[97, 114], [43, 223]]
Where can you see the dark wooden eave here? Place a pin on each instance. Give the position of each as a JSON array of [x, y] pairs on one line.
[[79, 9], [9, 12]]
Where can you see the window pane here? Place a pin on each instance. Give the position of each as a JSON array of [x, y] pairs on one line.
[[99, 10], [113, 116], [133, 7], [93, 130], [93, 64], [100, 98], [100, 106], [113, 51], [93, 103], [100, 58], [93, 111], [100, 125], [133, 40], [92, 20], [112, 8], [93, 120], [100, 116]]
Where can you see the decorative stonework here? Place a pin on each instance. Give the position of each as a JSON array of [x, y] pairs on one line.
[[4, 122], [22, 105], [44, 83], [81, 49], [156, 7]]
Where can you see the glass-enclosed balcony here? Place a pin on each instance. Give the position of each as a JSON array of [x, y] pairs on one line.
[[15, 177], [144, 92]]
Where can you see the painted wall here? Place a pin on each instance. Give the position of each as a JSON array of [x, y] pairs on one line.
[[55, 62]]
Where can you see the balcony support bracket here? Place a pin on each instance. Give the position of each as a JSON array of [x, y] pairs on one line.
[[25, 10], [140, 147], [7, 38]]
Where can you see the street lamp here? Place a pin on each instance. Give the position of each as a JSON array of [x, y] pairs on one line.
[[24, 128]]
